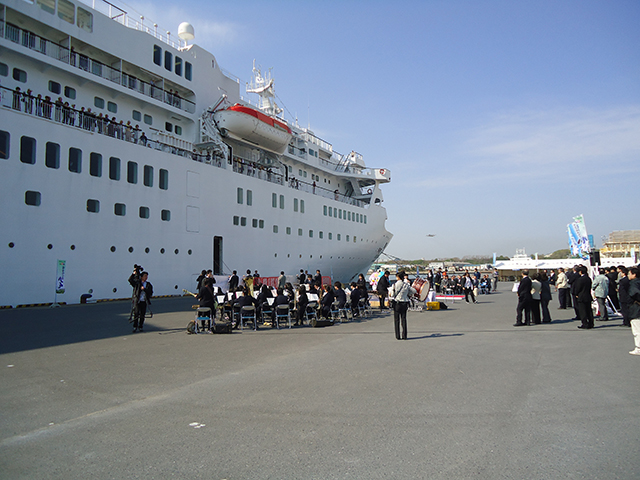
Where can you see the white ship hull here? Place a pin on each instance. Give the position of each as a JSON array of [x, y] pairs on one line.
[[196, 218]]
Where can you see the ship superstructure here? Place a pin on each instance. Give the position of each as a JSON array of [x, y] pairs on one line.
[[120, 144]]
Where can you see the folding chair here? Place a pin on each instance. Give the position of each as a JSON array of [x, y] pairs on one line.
[[203, 314], [335, 312], [311, 312], [248, 312], [345, 311], [266, 313], [282, 311]]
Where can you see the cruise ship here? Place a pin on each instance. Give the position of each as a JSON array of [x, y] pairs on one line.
[[121, 144]]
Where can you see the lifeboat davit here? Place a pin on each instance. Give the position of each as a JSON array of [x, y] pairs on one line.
[[245, 123]]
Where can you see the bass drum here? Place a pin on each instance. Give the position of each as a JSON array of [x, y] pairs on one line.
[[421, 287]]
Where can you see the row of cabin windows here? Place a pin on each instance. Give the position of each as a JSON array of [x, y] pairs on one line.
[[298, 204], [28, 152], [34, 199], [170, 63], [255, 223], [68, 12], [344, 214], [56, 89]]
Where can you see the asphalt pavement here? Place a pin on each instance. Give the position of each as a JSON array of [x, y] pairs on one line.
[[466, 396]]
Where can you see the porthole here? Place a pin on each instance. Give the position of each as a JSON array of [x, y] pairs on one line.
[[146, 250], [130, 249], [113, 249], [175, 287], [176, 251], [162, 251], [300, 255], [275, 255], [49, 246], [288, 255], [115, 290], [189, 252], [72, 247], [11, 244]]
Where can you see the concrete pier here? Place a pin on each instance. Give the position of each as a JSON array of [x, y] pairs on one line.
[[466, 396]]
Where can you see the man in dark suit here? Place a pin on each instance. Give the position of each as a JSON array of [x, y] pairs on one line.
[[524, 300], [383, 288], [572, 276], [233, 281], [142, 293], [582, 298]]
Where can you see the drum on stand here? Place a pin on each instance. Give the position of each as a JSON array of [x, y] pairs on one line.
[[421, 287]]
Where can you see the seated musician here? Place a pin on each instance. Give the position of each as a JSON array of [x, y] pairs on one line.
[[301, 304], [207, 299], [281, 299], [265, 292], [327, 301], [339, 294], [356, 295], [243, 301]]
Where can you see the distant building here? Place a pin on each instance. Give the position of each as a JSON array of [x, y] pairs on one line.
[[622, 243]]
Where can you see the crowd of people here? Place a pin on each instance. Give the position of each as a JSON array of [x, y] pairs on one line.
[[613, 288]]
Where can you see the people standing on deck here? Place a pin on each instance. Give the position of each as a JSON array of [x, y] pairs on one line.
[[562, 287], [623, 295], [634, 307], [582, 298], [545, 297], [400, 293], [600, 287], [524, 300], [383, 288]]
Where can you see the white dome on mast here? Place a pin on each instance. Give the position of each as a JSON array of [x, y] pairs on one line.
[[186, 31]]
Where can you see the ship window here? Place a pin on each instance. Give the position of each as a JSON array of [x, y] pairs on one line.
[[301, 206], [243, 221], [85, 20], [295, 204], [148, 176], [348, 215], [19, 75], [67, 11], [254, 223], [260, 223], [32, 198], [274, 200], [249, 197], [300, 172], [331, 211], [98, 102], [136, 115], [236, 220], [320, 235], [28, 150], [132, 172], [178, 66], [93, 206], [52, 155], [163, 180], [354, 239], [288, 230], [168, 60], [120, 209], [148, 119], [282, 202], [112, 107], [330, 236], [157, 55], [55, 87], [365, 219], [347, 238], [339, 213], [168, 126], [4, 70], [95, 164], [275, 229], [299, 232], [310, 233], [70, 93], [187, 70], [240, 196], [75, 160], [4, 144], [114, 168], [165, 215], [338, 237], [48, 6], [144, 212], [324, 210], [178, 130]]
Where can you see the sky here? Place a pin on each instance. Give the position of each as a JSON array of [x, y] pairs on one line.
[[499, 120]]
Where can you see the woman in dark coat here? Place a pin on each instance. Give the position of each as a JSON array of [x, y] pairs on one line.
[[545, 297]]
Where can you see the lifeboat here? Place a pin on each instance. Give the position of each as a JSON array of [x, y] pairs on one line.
[[245, 123]]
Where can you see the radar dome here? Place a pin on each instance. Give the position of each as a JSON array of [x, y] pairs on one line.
[[185, 31]]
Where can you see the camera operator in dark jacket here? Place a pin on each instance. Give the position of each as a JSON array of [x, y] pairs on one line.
[[142, 293]]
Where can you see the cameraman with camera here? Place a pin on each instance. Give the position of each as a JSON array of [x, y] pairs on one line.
[[142, 293]]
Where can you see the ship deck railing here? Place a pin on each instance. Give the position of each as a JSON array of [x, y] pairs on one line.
[[63, 113], [82, 62]]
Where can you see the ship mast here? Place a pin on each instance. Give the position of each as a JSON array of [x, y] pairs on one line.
[[263, 86]]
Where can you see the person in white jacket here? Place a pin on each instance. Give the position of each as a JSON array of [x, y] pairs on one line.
[[399, 294]]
